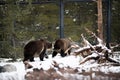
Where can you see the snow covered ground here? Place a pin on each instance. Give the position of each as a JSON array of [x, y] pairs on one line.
[[68, 61]]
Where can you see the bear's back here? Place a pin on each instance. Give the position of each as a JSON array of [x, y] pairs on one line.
[[62, 43]]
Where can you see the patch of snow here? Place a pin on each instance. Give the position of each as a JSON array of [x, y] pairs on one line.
[[15, 75], [9, 76], [114, 69], [68, 61]]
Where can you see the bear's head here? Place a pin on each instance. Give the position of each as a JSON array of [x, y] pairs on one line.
[[49, 44]]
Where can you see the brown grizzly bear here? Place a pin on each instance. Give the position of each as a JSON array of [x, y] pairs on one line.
[[62, 46], [39, 47]]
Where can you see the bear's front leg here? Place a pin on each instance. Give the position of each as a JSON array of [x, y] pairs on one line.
[[54, 54], [42, 54], [46, 56], [63, 54]]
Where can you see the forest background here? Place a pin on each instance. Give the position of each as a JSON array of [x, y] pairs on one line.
[[22, 23]]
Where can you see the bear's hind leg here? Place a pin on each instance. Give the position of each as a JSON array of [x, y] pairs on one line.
[[25, 59], [69, 52], [32, 59], [41, 56]]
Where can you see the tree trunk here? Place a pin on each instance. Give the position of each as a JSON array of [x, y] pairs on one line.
[[100, 19]]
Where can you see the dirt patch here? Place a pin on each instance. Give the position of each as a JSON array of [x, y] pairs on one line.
[[69, 74]]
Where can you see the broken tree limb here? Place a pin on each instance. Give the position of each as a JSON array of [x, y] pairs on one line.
[[85, 51], [98, 58], [98, 39], [98, 52], [101, 57], [86, 43], [93, 56], [73, 45]]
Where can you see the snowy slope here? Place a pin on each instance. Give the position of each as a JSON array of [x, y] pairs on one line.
[[15, 75], [68, 61]]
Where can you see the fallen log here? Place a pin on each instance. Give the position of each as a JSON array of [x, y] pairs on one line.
[[99, 58], [98, 52]]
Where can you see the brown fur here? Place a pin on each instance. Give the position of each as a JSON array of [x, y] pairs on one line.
[[33, 47], [61, 46]]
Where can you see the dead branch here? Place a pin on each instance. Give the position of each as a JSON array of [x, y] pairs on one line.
[[85, 51], [101, 51], [99, 58], [89, 58]]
